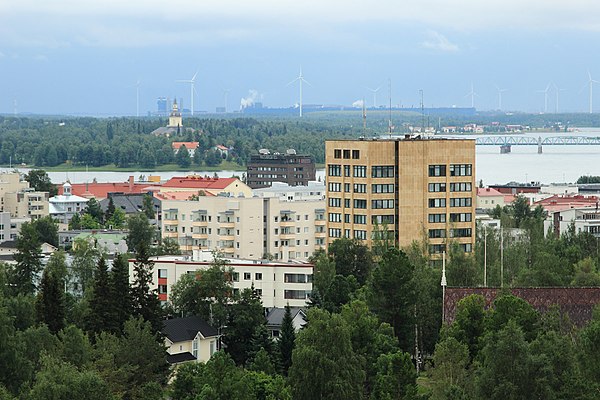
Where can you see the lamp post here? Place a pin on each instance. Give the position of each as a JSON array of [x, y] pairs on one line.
[[443, 284]]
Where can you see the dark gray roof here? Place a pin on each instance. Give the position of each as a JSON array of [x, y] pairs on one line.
[[9, 244], [275, 315], [130, 203], [182, 329], [180, 357]]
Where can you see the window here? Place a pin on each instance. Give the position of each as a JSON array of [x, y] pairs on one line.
[[437, 170], [382, 188], [437, 248], [335, 232], [337, 153], [296, 294], [335, 217], [258, 292], [334, 186], [460, 170], [347, 203], [437, 203], [460, 187], [385, 203], [460, 217], [347, 187], [360, 171], [258, 276], [360, 188], [346, 154], [306, 242], [461, 232], [436, 218], [437, 233], [195, 348], [437, 187], [347, 218], [295, 278], [360, 219], [247, 276], [236, 275], [360, 203], [382, 171], [335, 202], [334, 170], [382, 219], [360, 235], [355, 154], [460, 202], [346, 170], [466, 247], [162, 273], [162, 289]]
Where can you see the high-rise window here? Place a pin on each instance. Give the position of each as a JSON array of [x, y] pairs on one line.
[[437, 170]]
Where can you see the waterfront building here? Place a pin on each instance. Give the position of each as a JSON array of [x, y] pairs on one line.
[[277, 283], [205, 185], [407, 190], [101, 190], [265, 168], [64, 206]]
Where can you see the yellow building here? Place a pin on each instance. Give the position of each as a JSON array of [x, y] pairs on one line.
[[414, 188]]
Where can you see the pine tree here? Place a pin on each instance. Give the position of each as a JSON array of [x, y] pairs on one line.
[[28, 258], [148, 206], [101, 316], [110, 209], [287, 338], [120, 292], [50, 303], [145, 301]]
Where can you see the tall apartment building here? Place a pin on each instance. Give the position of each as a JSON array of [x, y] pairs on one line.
[[417, 188], [21, 201], [285, 227], [265, 168]]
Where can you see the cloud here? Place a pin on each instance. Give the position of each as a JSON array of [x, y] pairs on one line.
[[437, 41]]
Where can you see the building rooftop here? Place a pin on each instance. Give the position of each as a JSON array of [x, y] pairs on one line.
[[198, 182], [184, 329], [488, 192]]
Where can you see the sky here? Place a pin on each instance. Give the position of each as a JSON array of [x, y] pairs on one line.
[[85, 57]]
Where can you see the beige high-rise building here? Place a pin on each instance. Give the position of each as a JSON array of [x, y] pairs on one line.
[[415, 188]]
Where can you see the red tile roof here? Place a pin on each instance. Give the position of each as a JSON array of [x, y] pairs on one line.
[[181, 195], [488, 192], [188, 145], [100, 190], [199, 182], [565, 202]]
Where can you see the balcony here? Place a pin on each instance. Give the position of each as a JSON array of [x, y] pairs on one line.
[[200, 223], [198, 235], [227, 224], [172, 235]]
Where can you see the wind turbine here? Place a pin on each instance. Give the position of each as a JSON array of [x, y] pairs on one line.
[[301, 79], [557, 90], [500, 91], [545, 91], [374, 95], [472, 94], [192, 89], [591, 83]]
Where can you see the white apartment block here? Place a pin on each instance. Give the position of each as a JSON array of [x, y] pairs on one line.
[[277, 283], [583, 219], [248, 228]]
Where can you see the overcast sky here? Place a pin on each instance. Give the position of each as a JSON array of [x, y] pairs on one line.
[[85, 56]]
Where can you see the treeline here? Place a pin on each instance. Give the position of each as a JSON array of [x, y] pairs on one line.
[[128, 142]]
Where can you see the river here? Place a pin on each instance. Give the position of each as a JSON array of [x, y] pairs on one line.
[[557, 164]]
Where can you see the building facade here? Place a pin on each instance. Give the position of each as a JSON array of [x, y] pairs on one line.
[[276, 283], [265, 168], [407, 189], [250, 228]]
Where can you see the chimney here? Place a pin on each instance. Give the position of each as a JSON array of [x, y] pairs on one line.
[[130, 183]]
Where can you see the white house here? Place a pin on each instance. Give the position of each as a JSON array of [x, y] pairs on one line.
[[189, 339], [64, 206]]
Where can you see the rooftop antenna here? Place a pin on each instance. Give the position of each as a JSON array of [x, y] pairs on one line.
[[364, 115], [545, 91], [192, 82], [422, 112], [374, 95], [500, 91], [301, 79], [472, 94], [390, 96]]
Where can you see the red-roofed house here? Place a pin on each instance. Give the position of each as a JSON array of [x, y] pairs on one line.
[[224, 150], [564, 202], [182, 195], [100, 190], [489, 198], [190, 147], [193, 183]]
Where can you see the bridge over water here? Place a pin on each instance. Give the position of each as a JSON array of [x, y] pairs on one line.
[[506, 142]]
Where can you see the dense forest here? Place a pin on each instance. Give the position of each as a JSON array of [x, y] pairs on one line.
[[128, 142]]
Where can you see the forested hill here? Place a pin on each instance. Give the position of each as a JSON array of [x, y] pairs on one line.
[[128, 142]]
